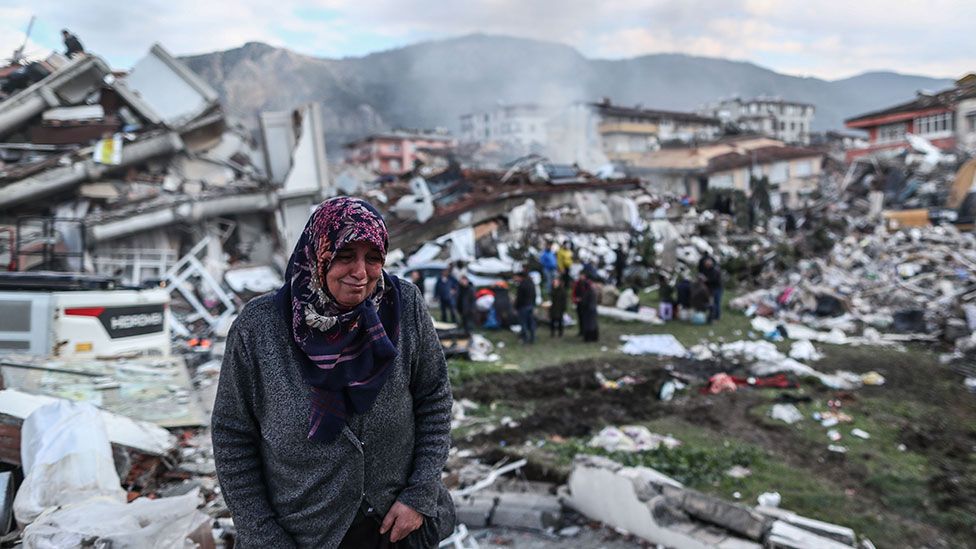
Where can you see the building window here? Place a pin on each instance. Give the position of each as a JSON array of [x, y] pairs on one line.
[[891, 132], [721, 181], [782, 126], [971, 122], [779, 173], [803, 168], [394, 165], [934, 124]]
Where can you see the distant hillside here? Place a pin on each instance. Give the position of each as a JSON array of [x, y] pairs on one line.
[[432, 83]]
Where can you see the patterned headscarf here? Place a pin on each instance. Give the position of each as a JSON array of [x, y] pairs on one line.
[[348, 352]]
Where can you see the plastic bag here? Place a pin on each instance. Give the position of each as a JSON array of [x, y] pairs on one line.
[[67, 458], [103, 522]]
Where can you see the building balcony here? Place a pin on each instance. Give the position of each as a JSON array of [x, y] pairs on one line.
[[635, 128]]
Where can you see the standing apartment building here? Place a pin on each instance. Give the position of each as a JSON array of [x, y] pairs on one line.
[[731, 163], [787, 121], [627, 133], [520, 126], [947, 119]]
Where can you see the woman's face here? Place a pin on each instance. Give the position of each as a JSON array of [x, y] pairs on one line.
[[354, 272]]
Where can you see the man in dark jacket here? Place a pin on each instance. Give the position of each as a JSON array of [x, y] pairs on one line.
[[465, 304], [525, 305], [713, 277], [71, 44], [619, 264], [558, 307], [701, 297], [446, 293], [682, 292]]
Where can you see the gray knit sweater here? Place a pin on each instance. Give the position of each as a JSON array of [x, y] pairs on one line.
[[287, 491]]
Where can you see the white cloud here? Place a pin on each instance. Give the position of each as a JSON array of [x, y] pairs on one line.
[[830, 38]]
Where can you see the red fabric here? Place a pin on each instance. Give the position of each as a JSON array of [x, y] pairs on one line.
[[724, 383]]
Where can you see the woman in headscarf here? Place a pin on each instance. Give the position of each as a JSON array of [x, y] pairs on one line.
[[333, 413]]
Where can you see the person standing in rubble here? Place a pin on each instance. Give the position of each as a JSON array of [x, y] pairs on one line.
[[417, 277], [466, 304], [333, 411], [558, 307], [701, 301], [525, 307], [72, 46], [682, 292], [713, 277], [564, 258], [446, 293], [619, 264], [549, 266], [587, 309]]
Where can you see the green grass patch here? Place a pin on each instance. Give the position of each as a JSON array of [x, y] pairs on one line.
[[704, 457], [687, 464], [550, 351]]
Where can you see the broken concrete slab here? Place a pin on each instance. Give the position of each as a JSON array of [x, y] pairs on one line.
[[787, 536], [67, 177], [838, 533], [603, 490], [526, 510], [69, 85], [731, 516], [171, 89], [475, 510]]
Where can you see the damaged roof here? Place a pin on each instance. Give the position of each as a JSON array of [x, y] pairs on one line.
[[607, 109], [941, 101], [763, 155]]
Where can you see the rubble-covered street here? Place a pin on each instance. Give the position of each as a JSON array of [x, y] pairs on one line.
[[662, 328]]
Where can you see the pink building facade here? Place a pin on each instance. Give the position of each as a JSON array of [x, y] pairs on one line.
[[394, 153]]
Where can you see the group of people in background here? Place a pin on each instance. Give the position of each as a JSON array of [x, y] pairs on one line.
[[557, 262], [697, 299]]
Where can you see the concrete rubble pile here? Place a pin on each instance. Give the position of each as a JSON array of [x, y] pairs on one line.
[[98, 168], [136, 189], [658, 509], [122, 156], [878, 288]]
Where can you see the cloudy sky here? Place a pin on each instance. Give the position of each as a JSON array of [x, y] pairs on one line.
[[829, 39]]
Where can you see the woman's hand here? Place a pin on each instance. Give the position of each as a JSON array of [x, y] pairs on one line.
[[402, 520]]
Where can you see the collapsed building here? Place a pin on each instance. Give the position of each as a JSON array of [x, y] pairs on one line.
[[98, 168], [138, 178]]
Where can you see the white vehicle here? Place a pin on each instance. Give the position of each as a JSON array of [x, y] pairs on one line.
[[54, 314]]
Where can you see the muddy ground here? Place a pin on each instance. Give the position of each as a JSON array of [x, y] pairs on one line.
[[568, 401]]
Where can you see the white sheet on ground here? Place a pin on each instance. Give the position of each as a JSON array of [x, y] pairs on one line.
[[653, 344]]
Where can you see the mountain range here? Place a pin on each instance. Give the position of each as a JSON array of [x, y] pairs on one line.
[[430, 84]]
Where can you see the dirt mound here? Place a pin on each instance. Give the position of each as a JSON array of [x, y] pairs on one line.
[[570, 401]]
